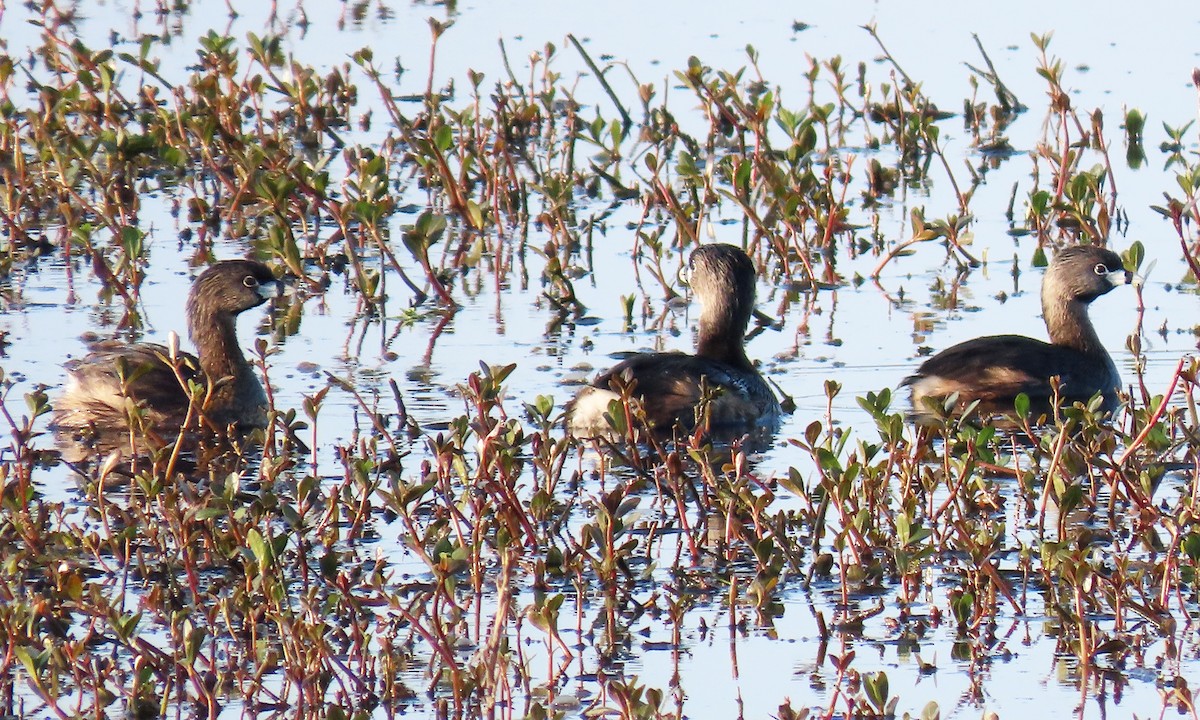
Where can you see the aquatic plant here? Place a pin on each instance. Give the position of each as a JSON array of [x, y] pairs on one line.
[[365, 557]]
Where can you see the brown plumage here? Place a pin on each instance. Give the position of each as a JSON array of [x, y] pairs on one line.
[[95, 397], [670, 386], [999, 367]]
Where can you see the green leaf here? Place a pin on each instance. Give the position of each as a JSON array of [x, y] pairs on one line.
[[263, 553], [931, 711], [1134, 256], [34, 663], [475, 213], [1191, 546], [741, 175], [443, 138], [876, 685]]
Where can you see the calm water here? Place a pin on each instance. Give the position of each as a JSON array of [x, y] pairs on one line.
[[865, 337]]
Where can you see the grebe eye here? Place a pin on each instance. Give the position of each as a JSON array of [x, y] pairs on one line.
[[1101, 269], [250, 281]]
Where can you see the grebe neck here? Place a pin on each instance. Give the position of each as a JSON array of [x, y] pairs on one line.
[[722, 335], [215, 338], [1069, 326]]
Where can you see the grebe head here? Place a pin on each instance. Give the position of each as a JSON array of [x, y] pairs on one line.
[[1083, 273], [229, 288], [723, 277]]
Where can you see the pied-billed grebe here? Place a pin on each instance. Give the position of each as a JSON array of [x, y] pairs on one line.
[[671, 385], [95, 395], [999, 367]]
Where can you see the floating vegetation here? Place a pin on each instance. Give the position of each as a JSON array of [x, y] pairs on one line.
[[439, 547]]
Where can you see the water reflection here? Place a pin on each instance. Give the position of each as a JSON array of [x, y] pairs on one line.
[[514, 306]]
